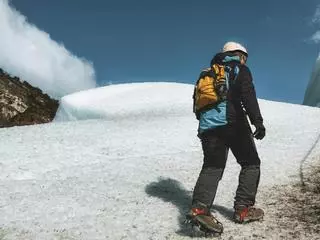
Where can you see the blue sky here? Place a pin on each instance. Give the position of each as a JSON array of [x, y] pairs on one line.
[[148, 40]]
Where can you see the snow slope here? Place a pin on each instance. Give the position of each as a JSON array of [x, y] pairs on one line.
[[312, 94], [130, 173], [127, 100]]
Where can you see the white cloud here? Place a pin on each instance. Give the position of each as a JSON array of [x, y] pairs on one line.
[[316, 17], [316, 21], [316, 37], [30, 53]]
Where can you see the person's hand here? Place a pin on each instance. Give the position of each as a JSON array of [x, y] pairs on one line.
[[260, 131]]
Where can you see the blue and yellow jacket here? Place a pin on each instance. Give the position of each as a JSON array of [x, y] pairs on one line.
[[241, 98]]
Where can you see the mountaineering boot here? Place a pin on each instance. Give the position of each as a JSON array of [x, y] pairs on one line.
[[203, 223], [245, 214]]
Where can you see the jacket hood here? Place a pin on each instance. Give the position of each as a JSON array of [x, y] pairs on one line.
[[223, 58]]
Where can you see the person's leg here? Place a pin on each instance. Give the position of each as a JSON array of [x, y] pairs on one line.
[[215, 156], [243, 148]]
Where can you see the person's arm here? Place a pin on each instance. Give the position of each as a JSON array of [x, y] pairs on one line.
[[248, 96], [250, 102]]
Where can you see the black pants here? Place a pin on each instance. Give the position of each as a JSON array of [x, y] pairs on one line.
[[215, 145]]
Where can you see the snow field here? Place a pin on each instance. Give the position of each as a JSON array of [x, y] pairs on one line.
[[130, 173]]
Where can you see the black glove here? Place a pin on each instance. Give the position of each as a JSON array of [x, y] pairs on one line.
[[260, 131]]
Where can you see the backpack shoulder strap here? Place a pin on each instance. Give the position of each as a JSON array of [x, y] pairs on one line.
[[219, 70], [235, 72]]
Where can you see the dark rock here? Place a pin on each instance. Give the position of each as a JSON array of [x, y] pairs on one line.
[[23, 104]]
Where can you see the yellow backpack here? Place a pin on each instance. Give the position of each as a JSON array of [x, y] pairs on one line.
[[211, 88]]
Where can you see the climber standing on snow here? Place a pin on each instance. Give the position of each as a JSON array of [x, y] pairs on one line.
[[223, 125]]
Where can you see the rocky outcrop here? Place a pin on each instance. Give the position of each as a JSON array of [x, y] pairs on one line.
[[23, 104]]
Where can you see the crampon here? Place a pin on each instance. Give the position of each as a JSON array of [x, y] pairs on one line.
[[203, 224]]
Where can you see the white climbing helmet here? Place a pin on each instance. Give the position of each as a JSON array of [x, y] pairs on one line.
[[234, 46]]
